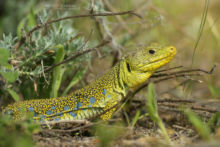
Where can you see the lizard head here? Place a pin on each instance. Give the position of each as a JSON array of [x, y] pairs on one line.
[[139, 66]]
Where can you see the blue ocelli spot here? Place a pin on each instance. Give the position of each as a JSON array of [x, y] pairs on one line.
[[73, 114], [35, 114], [42, 120], [79, 104], [56, 119], [104, 92], [49, 112], [59, 114], [53, 107], [42, 116], [66, 108], [31, 109], [92, 100], [90, 106], [109, 96]]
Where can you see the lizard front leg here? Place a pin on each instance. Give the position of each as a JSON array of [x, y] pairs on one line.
[[110, 109]]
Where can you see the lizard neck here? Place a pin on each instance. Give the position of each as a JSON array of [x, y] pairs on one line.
[[119, 86], [132, 79]]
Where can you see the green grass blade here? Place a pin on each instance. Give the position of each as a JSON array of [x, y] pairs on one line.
[[152, 104], [14, 95], [153, 112], [31, 16], [215, 91], [201, 27], [136, 118], [214, 121], [20, 27], [201, 127], [57, 72], [108, 133]]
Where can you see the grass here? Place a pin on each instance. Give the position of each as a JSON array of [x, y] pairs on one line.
[[201, 28], [201, 127], [22, 75], [58, 71], [153, 111]]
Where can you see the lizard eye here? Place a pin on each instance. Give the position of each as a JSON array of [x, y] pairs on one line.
[[128, 66], [151, 51]]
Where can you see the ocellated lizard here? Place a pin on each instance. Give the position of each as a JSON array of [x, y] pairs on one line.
[[100, 95]]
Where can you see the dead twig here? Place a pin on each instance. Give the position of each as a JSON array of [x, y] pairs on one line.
[[65, 121], [175, 101], [166, 101], [77, 54], [198, 108], [182, 71], [169, 69], [96, 20], [120, 20], [39, 26], [73, 38], [176, 76]]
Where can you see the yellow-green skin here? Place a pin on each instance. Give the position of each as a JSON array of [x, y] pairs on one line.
[[100, 95]]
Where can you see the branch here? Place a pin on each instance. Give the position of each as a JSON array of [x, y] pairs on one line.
[[77, 54], [169, 69], [182, 71], [65, 121], [39, 26], [198, 108]]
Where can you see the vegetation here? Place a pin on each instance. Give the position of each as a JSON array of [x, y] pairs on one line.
[[49, 48]]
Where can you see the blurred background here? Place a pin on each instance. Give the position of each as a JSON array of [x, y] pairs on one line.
[[193, 27]]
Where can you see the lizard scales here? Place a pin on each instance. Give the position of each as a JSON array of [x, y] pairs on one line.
[[101, 95]]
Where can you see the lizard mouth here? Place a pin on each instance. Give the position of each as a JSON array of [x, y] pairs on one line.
[[155, 64]]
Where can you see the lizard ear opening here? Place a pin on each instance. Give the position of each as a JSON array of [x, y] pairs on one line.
[[128, 67]]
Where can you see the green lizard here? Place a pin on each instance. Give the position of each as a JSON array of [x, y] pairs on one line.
[[101, 95]]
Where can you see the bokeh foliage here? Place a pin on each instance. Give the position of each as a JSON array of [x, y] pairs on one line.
[[22, 73]]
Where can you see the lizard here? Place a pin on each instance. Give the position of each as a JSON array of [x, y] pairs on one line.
[[100, 95]]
